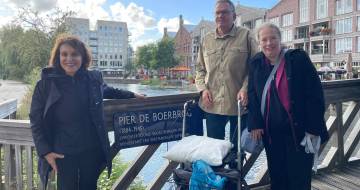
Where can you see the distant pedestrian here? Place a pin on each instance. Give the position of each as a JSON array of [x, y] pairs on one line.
[[284, 108], [66, 117]]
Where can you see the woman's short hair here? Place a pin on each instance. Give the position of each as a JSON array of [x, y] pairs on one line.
[[268, 25], [74, 42]]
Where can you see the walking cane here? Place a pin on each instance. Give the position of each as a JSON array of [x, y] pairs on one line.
[[186, 105], [239, 162]]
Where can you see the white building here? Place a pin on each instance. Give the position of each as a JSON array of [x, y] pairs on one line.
[[108, 42]]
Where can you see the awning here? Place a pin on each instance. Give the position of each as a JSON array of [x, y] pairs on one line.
[[180, 69]]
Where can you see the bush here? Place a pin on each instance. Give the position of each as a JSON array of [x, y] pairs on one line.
[[105, 183], [152, 82], [22, 112]]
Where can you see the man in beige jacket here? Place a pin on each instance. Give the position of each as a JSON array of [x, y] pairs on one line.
[[221, 72]]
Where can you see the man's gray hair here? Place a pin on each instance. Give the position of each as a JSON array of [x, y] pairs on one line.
[[268, 25], [232, 6]]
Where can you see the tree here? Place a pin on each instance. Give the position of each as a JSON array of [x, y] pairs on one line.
[[157, 56], [27, 43], [166, 54], [145, 56], [10, 38]]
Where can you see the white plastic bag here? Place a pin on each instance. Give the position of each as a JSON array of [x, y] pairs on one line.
[[192, 148]]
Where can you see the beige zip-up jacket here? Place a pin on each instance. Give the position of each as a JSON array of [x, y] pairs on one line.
[[222, 68]]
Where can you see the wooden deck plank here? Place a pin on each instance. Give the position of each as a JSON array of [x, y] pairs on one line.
[[340, 182], [346, 178]]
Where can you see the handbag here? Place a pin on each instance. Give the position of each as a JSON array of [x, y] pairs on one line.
[[250, 145]]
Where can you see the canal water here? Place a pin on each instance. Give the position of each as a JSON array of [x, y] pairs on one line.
[[152, 167]]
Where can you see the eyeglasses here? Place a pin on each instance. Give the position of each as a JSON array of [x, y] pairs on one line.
[[225, 12]]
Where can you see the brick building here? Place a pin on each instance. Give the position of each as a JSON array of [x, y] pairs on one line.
[[329, 30], [183, 43], [197, 36]]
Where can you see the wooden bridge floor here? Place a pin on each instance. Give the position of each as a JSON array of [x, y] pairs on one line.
[[347, 178]]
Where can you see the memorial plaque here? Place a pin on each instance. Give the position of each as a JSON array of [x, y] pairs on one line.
[[148, 126]]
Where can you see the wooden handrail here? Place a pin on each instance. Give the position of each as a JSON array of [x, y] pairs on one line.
[[7, 108]]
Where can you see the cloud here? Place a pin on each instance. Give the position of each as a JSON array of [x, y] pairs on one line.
[[39, 5], [141, 42], [140, 21], [137, 19], [172, 24], [89, 9], [4, 20]]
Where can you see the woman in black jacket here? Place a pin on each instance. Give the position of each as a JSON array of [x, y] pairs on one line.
[[66, 117], [293, 107]]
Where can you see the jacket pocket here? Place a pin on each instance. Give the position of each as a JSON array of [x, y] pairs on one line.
[[211, 58]]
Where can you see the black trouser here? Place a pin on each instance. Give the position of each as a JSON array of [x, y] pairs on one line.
[[288, 168], [79, 172], [215, 126]]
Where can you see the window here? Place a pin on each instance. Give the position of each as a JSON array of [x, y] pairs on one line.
[[358, 5], [304, 11], [275, 21], [344, 26], [343, 6], [287, 35], [358, 44], [343, 45], [321, 9], [287, 20], [358, 23]]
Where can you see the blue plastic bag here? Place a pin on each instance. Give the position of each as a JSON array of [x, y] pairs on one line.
[[204, 178]]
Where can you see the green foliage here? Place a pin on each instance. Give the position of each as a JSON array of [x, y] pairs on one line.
[[146, 56], [157, 55], [22, 50], [24, 108], [166, 54], [105, 183], [152, 82]]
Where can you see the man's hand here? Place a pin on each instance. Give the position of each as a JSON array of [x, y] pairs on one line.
[[242, 96], [256, 134], [207, 98], [51, 157]]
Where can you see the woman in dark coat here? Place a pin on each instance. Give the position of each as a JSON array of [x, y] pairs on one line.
[[66, 117], [293, 108]]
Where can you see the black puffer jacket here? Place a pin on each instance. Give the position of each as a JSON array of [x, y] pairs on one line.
[[46, 94]]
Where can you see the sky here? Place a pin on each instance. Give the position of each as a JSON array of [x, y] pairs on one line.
[[145, 18]]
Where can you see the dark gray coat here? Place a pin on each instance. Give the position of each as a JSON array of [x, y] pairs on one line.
[[46, 94]]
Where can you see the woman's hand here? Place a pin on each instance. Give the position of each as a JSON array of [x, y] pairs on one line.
[[51, 159], [139, 96], [256, 134]]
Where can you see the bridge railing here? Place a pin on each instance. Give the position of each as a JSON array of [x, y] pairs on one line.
[[17, 166], [8, 108]]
